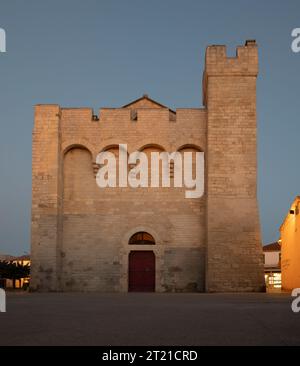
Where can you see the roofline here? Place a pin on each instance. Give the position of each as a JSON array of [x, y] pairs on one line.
[[145, 96], [270, 247], [297, 199]]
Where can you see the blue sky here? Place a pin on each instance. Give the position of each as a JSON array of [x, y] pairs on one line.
[[109, 52]]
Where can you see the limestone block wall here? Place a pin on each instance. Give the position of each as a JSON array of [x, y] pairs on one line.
[[234, 251], [46, 199], [94, 225]]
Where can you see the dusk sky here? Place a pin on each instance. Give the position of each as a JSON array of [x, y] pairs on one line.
[[107, 53]]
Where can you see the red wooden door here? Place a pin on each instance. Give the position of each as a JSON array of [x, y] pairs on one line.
[[141, 276]]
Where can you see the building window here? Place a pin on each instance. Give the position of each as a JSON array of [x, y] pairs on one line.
[[273, 280], [142, 238]]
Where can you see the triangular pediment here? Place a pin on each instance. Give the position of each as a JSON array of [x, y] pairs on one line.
[[145, 102]]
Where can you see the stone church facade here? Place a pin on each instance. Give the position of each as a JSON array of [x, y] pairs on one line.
[[86, 238]]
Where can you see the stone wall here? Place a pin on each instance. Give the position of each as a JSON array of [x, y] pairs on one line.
[[93, 224], [234, 251], [80, 232]]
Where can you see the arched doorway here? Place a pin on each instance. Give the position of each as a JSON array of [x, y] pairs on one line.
[[141, 264]]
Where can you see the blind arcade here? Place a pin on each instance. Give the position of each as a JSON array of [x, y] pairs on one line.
[[184, 166]]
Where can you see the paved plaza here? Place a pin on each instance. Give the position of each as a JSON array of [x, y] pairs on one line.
[[149, 319]]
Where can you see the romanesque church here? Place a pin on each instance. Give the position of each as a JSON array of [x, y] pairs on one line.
[[86, 238]]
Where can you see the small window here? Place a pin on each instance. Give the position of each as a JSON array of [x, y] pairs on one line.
[[142, 238]]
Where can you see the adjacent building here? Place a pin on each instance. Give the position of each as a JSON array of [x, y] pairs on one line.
[[290, 248], [20, 282], [272, 254]]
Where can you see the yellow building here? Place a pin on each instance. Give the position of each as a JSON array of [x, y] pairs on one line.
[[290, 248]]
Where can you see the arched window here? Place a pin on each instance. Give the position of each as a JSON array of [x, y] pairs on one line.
[[142, 238]]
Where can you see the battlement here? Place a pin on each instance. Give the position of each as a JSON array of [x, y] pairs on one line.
[[134, 115], [46, 110], [217, 63], [244, 63], [80, 117]]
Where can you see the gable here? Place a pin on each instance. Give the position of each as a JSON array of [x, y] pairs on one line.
[[145, 102]]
